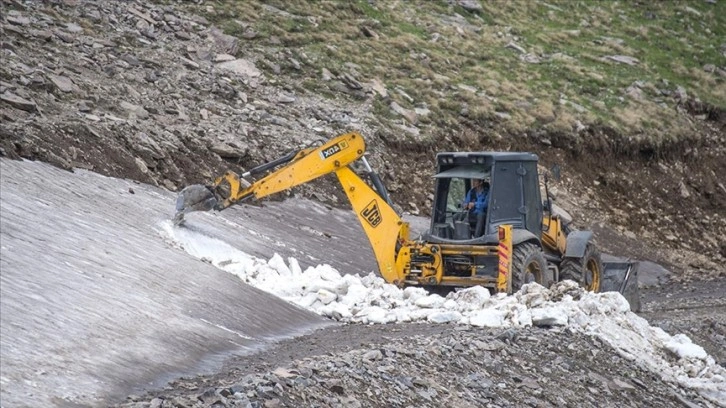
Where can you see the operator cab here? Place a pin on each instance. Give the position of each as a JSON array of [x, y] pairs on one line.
[[513, 197]]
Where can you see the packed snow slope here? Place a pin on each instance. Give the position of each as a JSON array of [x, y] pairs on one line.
[[95, 303]]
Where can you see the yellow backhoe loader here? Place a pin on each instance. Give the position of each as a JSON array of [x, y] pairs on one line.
[[518, 239]]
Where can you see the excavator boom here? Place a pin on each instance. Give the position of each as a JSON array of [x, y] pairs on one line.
[[302, 167], [382, 225]]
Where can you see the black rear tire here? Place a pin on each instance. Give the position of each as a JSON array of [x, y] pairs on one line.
[[528, 265], [586, 271]]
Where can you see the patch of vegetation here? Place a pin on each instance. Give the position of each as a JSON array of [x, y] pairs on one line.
[[616, 63]]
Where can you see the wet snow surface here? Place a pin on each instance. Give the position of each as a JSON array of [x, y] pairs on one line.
[[102, 296], [96, 303]]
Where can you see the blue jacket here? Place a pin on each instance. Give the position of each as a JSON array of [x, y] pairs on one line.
[[481, 200]]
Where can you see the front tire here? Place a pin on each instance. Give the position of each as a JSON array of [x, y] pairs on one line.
[[586, 271], [528, 265]]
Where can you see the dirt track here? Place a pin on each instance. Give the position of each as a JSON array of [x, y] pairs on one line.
[[697, 309], [595, 375]]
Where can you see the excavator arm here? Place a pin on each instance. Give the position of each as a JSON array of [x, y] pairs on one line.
[[297, 168], [384, 228]]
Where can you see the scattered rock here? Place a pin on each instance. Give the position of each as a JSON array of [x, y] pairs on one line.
[[326, 75], [516, 47], [145, 16], [503, 115], [224, 43], [18, 102], [681, 93], [224, 58], [470, 5], [63, 83], [350, 81], [368, 32], [227, 151], [410, 116], [623, 59], [74, 28], [684, 190], [241, 67], [18, 20], [622, 384], [467, 88], [285, 99]]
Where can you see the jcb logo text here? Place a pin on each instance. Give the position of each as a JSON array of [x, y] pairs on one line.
[[372, 214], [333, 149]]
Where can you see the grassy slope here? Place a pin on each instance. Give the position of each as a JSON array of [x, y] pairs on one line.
[[434, 55]]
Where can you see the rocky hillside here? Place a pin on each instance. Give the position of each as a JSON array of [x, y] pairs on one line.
[[628, 98]]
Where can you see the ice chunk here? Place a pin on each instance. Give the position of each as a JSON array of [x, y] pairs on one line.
[[278, 264], [683, 347], [549, 316], [447, 316], [430, 301], [487, 318]]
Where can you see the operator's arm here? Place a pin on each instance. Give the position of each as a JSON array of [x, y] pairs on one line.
[[468, 200], [482, 202]]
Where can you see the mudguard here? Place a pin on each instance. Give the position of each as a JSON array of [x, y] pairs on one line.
[[622, 277], [577, 243], [522, 235]]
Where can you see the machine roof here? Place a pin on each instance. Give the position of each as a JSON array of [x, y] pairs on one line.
[[507, 156]]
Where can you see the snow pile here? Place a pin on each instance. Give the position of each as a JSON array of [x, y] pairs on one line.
[[369, 300]]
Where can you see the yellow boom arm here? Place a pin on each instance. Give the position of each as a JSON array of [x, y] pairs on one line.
[[382, 225]]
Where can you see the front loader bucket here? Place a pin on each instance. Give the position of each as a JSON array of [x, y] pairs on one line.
[[622, 277]]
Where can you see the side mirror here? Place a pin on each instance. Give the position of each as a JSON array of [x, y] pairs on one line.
[[555, 170]]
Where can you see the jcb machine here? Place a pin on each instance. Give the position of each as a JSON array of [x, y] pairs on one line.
[[520, 239]]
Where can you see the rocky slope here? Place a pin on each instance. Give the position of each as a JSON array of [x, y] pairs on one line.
[[157, 92]]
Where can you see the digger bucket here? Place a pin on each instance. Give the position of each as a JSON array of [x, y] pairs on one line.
[[622, 277], [196, 197]]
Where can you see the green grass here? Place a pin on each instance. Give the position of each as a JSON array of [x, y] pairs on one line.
[[420, 42]]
